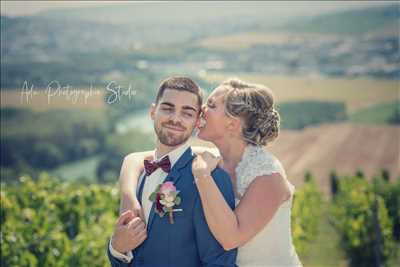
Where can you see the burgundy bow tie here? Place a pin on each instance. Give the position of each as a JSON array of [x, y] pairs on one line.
[[151, 166]]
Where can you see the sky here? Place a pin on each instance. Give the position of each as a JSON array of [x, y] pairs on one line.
[[23, 8]]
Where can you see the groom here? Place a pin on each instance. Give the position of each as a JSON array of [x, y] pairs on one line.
[[175, 232]]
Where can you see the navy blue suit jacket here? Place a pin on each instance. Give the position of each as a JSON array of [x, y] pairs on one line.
[[188, 242]]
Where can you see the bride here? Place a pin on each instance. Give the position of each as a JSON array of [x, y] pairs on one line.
[[240, 119]]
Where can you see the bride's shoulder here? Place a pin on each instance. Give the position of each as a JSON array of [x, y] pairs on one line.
[[256, 161]]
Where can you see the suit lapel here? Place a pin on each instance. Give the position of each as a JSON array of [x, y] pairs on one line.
[[173, 176], [141, 186]]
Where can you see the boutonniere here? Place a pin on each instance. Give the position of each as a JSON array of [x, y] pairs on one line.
[[165, 197]]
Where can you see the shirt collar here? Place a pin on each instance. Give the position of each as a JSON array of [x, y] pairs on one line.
[[175, 154]]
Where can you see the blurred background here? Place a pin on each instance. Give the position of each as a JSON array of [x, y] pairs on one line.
[[77, 79]]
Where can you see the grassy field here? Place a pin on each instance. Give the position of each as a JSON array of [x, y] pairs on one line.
[[85, 168], [356, 93], [246, 40], [377, 114]]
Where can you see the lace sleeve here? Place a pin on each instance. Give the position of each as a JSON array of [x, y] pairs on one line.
[[256, 162]]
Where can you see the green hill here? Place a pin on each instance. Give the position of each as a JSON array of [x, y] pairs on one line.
[[356, 21], [382, 113]]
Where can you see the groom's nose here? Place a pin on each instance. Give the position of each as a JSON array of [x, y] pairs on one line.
[[175, 117]]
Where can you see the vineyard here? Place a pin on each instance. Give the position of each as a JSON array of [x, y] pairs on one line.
[[77, 81], [46, 222]]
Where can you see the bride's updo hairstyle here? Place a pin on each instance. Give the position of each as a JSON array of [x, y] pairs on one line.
[[254, 105]]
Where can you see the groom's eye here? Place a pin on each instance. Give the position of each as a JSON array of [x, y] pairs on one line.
[[166, 109], [187, 114]]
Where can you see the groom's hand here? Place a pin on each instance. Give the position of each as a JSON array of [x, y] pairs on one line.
[[130, 232]]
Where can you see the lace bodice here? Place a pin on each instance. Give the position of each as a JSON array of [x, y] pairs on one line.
[[272, 246], [256, 161]]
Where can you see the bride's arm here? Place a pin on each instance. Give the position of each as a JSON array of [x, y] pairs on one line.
[[257, 207], [132, 167]]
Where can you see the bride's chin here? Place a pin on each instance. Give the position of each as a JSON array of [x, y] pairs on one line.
[[205, 137], [201, 135]]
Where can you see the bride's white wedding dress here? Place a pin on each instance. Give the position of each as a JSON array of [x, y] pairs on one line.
[[273, 245]]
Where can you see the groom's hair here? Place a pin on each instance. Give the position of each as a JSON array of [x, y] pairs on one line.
[[180, 84]]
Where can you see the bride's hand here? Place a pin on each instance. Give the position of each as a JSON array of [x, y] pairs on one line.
[[204, 164], [138, 211], [131, 203]]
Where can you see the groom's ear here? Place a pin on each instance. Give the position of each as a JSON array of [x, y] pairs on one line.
[[152, 111]]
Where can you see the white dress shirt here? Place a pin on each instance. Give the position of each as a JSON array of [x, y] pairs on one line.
[[151, 183]]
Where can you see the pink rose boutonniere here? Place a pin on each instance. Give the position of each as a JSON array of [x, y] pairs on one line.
[[165, 197]]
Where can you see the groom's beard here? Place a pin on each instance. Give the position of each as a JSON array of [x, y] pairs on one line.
[[171, 138]]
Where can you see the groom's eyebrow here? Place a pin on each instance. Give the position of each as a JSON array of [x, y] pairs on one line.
[[169, 104]]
